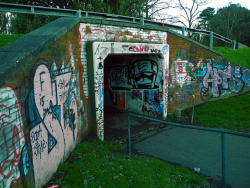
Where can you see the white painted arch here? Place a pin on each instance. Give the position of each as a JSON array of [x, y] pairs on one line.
[[102, 49]]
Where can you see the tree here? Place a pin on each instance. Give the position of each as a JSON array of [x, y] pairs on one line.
[[232, 22], [190, 11], [153, 8], [205, 18], [4, 21]]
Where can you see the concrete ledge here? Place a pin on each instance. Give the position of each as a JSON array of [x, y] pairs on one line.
[[20, 52], [148, 27]]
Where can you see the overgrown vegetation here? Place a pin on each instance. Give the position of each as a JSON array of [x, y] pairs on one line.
[[6, 39], [95, 164], [231, 114], [240, 56]]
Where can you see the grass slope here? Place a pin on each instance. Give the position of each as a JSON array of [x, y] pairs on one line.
[[240, 56], [93, 164], [6, 39], [232, 114]]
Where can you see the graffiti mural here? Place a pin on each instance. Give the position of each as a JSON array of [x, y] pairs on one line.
[[141, 74], [152, 104], [139, 77], [144, 74], [181, 75], [219, 80], [119, 78], [11, 136], [53, 114]]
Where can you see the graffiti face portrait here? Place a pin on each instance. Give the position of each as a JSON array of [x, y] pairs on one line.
[[144, 74]]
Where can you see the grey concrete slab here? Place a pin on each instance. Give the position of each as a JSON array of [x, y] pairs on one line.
[[200, 149]]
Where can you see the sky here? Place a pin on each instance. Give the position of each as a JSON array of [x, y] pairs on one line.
[[222, 3], [216, 4]]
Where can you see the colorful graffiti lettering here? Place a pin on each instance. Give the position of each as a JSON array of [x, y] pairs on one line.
[[181, 76], [52, 105], [11, 134], [129, 48], [140, 48], [218, 80]]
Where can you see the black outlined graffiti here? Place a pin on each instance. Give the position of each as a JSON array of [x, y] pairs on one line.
[[53, 115], [219, 80], [144, 74], [119, 78]]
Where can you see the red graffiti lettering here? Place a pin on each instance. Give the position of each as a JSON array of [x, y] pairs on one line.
[[16, 136], [139, 49], [135, 49]]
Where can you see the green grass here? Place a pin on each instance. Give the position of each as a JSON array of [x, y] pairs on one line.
[[240, 56], [231, 114], [95, 164], [6, 39]]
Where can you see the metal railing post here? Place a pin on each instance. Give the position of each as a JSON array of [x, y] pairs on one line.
[[129, 143], [79, 13], [142, 21], [211, 39], [183, 31], [193, 110], [233, 44], [223, 156], [32, 10]]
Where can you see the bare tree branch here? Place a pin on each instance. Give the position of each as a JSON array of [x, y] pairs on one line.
[[190, 11]]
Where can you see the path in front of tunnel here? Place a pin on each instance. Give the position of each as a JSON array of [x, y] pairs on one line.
[[186, 147]]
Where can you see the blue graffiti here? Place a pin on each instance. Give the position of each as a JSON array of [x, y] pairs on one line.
[[219, 67], [57, 111], [32, 111], [165, 50], [201, 73], [246, 77], [200, 85], [52, 142], [25, 163], [152, 103]]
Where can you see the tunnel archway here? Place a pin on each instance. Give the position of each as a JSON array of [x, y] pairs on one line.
[[139, 71]]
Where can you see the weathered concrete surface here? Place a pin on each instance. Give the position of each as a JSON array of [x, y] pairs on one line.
[[200, 149]]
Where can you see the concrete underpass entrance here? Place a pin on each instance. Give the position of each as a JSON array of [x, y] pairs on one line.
[[129, 77]]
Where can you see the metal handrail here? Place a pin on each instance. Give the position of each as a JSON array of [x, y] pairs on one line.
[[222, 131], [29, 9]]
